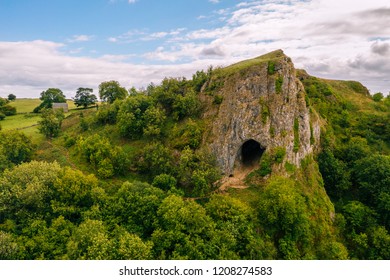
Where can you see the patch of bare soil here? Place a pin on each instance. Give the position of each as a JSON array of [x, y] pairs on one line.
[[237, 181]]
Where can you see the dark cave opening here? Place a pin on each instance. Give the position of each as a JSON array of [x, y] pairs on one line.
[[251, 152]]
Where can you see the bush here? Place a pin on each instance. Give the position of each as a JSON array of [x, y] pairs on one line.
[[8, 110], [155, 159], [164, 182], [278, 84], [278, 154], [377, 97], [106, 159], [16, 146], [51, 122], [265, 165]]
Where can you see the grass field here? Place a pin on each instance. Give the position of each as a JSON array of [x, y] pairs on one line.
[[25, 121], [26, 105]]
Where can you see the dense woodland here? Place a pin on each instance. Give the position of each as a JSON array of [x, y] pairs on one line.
[[130, 179]]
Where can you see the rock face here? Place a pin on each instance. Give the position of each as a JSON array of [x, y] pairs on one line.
[[261, 109]]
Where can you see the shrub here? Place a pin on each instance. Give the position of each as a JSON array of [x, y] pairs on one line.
[[164, 182], [271, 68], [278, 84], [278, 154]]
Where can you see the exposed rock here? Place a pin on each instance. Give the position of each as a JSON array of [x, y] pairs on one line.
[[261, 101]]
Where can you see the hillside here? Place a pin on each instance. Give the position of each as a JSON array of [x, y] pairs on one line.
[[257, 160]]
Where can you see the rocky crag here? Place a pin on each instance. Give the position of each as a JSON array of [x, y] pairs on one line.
[[258, 107]]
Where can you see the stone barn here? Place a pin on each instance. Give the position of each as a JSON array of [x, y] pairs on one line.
[[63, 106]]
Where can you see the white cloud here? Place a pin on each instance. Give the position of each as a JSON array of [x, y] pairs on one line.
[[132, 1], [80, 38], [215, 1]]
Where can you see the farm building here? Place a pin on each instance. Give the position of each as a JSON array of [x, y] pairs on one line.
[[63, 106]]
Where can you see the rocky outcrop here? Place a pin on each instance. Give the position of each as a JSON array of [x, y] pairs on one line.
[[258, 101]]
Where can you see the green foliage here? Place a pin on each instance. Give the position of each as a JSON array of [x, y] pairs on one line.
[[134, 207], [137, 116], [16, 147], [264, 110], [188, 135], [111, 91], [278, 154], [284, 213], [296, 135], [84, 97], [199, 79], [26, 190], [11, 97], [50, 124], [271, 67], [197, 172], [279, 84], [372, 176], [164, 182], [106, 159], [3, 101], [377, 97], [48, 97], [265, 165], [218, 99], [6, 109], [155, 159], [335, 174], [107, 113], [129, 246], [89, 241], [186, 106]]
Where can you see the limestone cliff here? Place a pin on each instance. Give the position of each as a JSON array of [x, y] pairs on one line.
[[255, 107]]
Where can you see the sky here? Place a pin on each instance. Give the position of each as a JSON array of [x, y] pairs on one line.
[[68, 44]]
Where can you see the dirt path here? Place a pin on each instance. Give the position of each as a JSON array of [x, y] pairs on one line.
[[237, 181]]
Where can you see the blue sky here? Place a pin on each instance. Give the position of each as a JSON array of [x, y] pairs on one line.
[[69, 44]]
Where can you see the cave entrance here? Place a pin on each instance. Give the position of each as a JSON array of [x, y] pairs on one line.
[[251, 152]]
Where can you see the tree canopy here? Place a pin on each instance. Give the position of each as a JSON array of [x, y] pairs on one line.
[[84, 97], [111, 91]]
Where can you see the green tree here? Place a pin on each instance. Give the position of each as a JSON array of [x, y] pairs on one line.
[[135, 206], [155, 159], [9, 249], [377, 96], [16, 147], [50, 96], [6, 109], [50, 124], [26, 190], [335, 174], [184, 230], [111, 91], [107, 160], [284, 214], [84, 97], [89, 241], [129, 246], [11, 97], [372, 176]]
